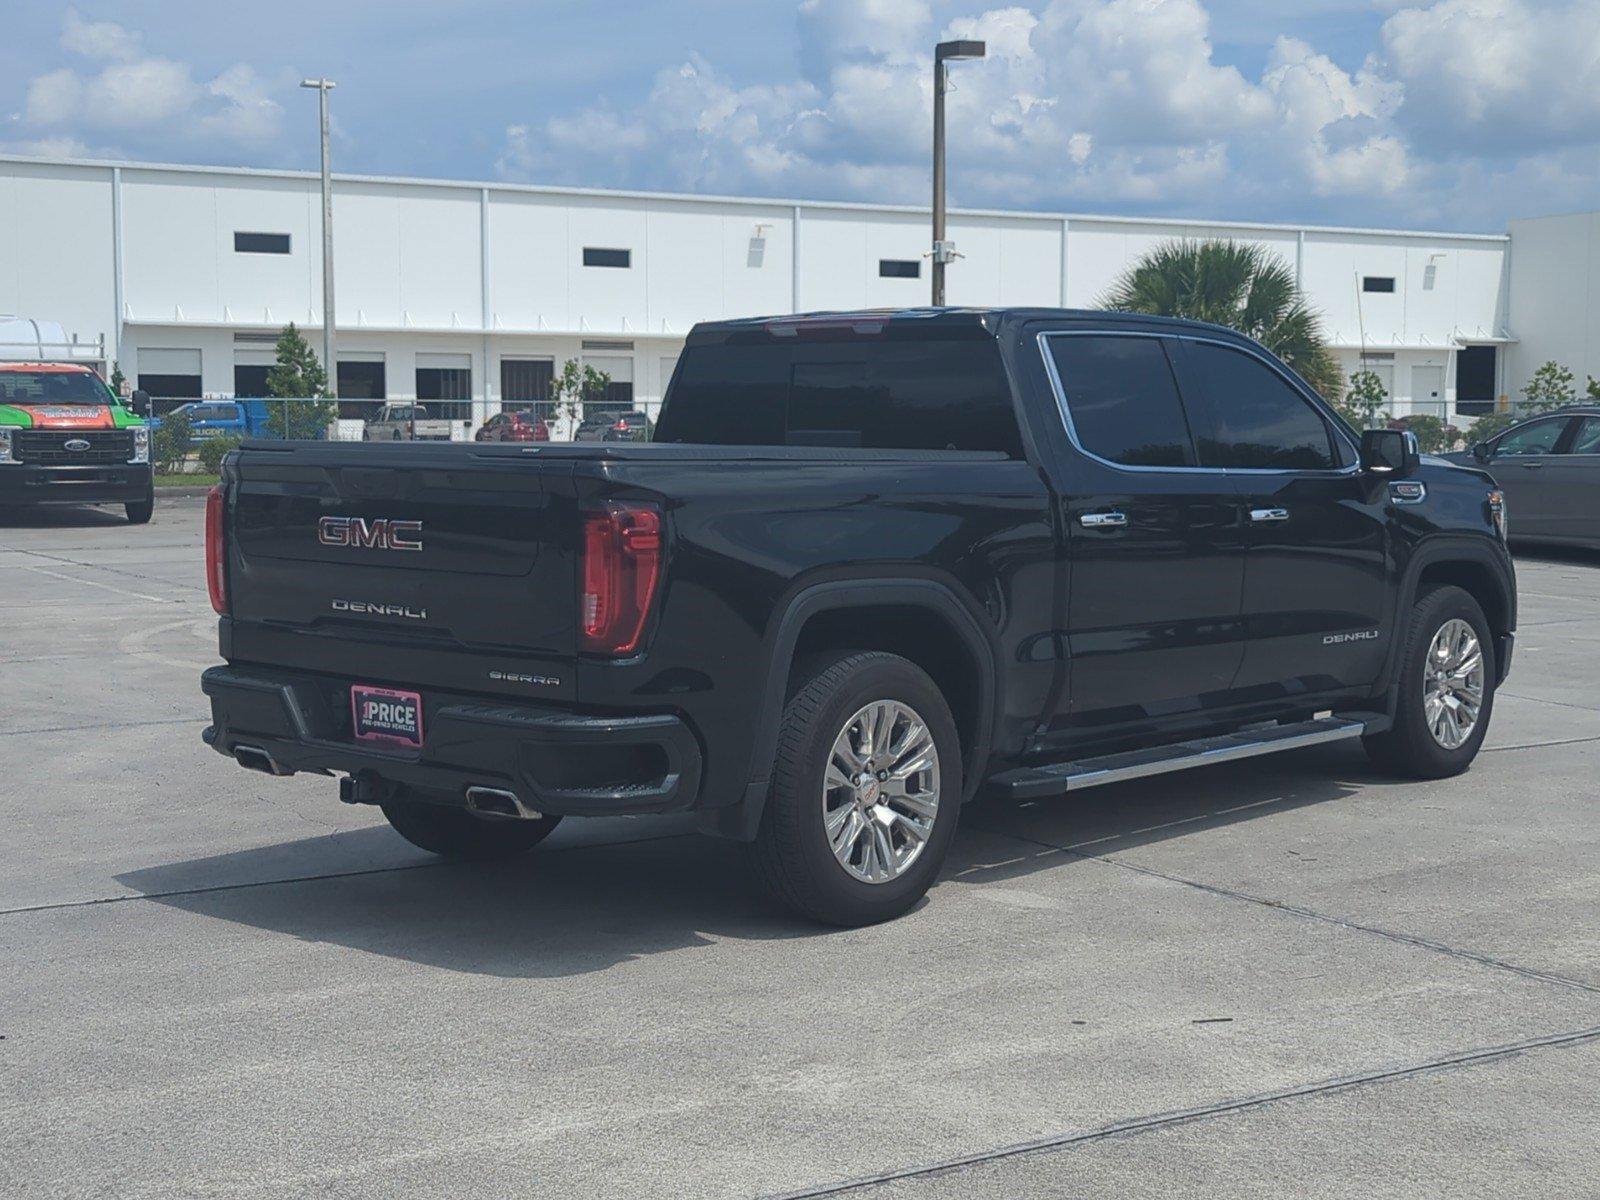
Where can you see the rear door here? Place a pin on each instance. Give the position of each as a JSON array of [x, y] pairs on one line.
[[1316, 574], [407, 565], [1155, 542]]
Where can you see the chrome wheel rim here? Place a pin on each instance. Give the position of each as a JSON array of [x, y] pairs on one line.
[[880, 795], [1452, 683]]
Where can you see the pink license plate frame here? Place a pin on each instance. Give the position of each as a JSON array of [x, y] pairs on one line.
[[369, 705]]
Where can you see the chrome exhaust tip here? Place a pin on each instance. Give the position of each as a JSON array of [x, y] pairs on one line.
[[254, 758], [498, 802]]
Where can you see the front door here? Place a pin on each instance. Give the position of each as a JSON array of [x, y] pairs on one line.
[[1521, 462], [1155, 544], [1316, 572]]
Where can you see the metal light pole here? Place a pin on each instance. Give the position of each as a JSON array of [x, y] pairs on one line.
[[323, 87], [943, 251]]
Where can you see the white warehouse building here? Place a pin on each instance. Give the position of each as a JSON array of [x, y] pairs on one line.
[[470, 295]]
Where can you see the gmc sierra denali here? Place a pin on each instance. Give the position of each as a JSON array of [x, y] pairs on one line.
[[873, 565]]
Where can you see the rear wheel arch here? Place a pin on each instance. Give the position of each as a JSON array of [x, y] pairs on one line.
[[892, 615]]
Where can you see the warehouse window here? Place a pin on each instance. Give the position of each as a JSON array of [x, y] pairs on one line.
[[260, 243], [598, 256], [1377, 283], [900, 268]]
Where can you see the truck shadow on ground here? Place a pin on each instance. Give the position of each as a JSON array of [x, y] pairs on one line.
[[61, 516], [578, 908]]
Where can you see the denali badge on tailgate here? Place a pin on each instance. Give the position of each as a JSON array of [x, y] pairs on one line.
[[380, 533]]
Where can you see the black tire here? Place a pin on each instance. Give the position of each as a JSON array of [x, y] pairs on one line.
[[791, 855], [456, 833], [1409, 748], [140, 511]]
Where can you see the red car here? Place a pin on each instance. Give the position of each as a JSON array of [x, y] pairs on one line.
[[514, 427]]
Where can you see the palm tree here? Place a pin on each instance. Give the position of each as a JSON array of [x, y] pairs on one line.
[[1242, 286]]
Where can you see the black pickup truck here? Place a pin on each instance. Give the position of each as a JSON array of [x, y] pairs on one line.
[[873, 566]]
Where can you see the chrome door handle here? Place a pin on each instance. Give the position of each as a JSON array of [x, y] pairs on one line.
[[1103, 520], [1259, 515], [1531, 466]]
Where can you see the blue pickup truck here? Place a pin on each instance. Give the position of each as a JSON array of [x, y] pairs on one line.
[[223, 418]]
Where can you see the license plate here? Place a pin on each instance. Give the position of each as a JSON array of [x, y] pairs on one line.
[[385, 715]]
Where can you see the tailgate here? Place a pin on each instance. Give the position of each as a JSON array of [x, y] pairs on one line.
[[446, 566]]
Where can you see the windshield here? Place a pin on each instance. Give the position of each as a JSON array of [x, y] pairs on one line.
[[52, 387]]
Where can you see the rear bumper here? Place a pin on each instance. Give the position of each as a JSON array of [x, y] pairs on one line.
[[553, 760], [28, 483]]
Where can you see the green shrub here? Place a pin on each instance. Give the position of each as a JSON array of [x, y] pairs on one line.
[[169, 447], [1550, 387], [212, 450], [1363, 401], [1433, 435], [1486, 426]]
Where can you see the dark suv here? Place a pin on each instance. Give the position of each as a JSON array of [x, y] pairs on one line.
[[873, 566], [1549, 468]]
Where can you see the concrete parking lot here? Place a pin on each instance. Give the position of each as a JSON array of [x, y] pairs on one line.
[[1287, 977]]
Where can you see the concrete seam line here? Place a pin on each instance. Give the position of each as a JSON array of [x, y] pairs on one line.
[[1138, 1125], [104, 725], [1539, 745], [260, 883], [1325, 918]]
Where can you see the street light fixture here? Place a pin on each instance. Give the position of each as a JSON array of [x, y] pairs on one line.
[[323, 87], [944, 251]]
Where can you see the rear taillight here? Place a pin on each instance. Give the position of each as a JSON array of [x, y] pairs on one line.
[[621, 570], [216, 548]]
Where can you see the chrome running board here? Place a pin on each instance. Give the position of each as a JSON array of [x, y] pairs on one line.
[[1029, 783]]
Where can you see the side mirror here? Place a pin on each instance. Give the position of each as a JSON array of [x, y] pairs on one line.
[[1391, 452], [141, 402], [1480, 451]]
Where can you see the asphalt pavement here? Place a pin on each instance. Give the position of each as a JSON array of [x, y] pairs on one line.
[[1285, 977]]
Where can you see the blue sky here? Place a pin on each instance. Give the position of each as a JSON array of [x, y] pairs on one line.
[[1448, 113]]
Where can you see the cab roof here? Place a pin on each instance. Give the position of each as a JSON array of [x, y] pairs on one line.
[[957, 322], [47, 368]]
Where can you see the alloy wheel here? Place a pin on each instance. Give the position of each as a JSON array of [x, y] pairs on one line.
[[1452, 682], [880, 794]]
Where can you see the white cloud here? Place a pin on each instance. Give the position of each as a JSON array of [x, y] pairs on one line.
[[1497, 75], [98, 39], [126, 91], [1117, 102]]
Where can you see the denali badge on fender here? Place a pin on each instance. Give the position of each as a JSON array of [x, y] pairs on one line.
[[1364, 635], [380, 533]]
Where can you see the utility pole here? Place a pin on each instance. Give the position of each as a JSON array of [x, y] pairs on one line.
[[944, 251], [329, 365]]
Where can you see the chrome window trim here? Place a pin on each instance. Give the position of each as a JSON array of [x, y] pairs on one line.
[[1277, 369]]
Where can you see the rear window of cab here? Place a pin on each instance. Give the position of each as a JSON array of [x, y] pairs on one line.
[[927, 394]]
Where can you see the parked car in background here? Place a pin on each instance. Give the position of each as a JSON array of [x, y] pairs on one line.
[[613, 427], [514, 427], [628, 427], [406, 423], [65, 437], [222, 418], [1549, 468]]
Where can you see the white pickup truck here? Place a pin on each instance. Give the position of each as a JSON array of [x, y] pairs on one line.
[[407, 422]]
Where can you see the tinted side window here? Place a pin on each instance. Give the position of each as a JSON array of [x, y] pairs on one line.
[[1540, 437], [1587, 440], [1122, 399], [886, 395], [1258, 420]]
